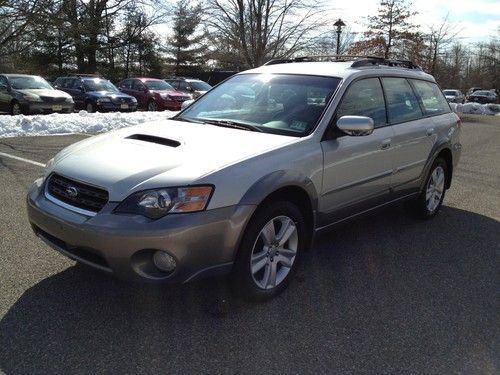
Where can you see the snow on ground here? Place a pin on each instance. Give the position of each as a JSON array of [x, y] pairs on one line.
[[81, 122], [476, 108]]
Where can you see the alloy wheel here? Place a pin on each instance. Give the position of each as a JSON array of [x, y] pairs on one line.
[[152, 106], [16, 109], [435, 189], [274, 252]]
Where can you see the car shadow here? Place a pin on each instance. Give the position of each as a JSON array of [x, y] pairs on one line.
[[384, 293]]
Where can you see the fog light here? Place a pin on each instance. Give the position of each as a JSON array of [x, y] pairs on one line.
[[164, 261]]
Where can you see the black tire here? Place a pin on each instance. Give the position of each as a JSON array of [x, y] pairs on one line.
[[152, 106], [421, 205], [15, 108], [245, 283], [89, 107]]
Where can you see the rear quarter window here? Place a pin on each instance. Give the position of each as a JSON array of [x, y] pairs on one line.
[[431, 97]]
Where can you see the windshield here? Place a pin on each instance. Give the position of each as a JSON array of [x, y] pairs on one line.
[[273, 103], [98, 85], [29, 83], [450, 92], [200, 85], [158, 85], [481, 93]]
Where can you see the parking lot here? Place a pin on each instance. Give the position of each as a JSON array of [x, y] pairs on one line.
[[386, 293]]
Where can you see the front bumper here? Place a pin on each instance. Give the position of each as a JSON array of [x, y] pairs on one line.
[[116, 107], [202, 243], [40, 107]]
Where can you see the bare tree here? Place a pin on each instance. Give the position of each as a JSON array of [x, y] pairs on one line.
[[388, 31], [440, 38], [260, 30]]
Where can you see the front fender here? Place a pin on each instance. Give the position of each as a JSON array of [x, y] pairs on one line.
[[277, 180]]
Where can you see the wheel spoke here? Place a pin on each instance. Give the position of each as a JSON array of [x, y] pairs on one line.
[[285, 261], [271, 281], [287, 229], [259, 261], [268, 233], [440, 180], [428, 194]]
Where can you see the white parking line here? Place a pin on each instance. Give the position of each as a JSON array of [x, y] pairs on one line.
[[22, 159]]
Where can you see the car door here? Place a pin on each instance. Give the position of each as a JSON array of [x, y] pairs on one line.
[[140, 92], [76, 90], [5, 96], [414, 134], [357, 169]]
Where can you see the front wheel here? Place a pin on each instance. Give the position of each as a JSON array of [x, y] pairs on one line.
[[429, 202], [90, 107], [15, 109], [270, 250], [152, 106]]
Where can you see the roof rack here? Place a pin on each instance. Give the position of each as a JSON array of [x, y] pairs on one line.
[[359, 61]]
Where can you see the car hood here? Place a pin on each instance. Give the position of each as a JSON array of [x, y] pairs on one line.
[[159, 154], [46, 93], [170, 92], [100, 94]]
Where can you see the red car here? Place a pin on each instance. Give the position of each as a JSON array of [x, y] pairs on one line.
[[153, 94]]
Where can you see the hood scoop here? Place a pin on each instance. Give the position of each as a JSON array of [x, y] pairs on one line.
[[154, 139]]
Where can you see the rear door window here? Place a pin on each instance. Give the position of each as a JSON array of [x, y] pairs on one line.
[[402, 103], [364, 98], [431, 97]]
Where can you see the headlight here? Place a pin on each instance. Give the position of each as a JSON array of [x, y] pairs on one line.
[[157, 203], [69, 99], [133, 100], [32, 98], [104, 100]]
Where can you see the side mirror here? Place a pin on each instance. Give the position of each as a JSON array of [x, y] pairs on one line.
[[81, 89], [356, 125], [3, 87]]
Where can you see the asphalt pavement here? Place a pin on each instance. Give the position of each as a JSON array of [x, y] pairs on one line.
[[383, 294]]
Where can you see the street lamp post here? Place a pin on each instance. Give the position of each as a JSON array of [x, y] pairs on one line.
[[339, 24]]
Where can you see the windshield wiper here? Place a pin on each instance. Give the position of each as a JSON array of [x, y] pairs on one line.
[[233, 125], [186, 119]]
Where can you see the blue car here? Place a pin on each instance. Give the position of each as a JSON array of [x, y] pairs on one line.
[[94, 93]]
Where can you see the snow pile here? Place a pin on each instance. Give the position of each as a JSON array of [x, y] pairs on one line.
[[476, 108], [81, 122]]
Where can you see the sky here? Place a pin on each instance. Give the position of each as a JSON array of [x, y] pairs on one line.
[[477, 20]]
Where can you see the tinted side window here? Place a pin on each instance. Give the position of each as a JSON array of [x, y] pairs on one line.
[[137, 85], [431, 97], [74, 83], [364, 98], [127, 84], [3, 81], [401, 101], [183, 85]]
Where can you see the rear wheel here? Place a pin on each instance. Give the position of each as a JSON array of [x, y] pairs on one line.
[[270, 250], [429, 202], [15, 108]]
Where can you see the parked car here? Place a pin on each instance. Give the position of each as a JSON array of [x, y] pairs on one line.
[[226, 187], [454, 96], [94, 93], [483, 97], [471, 90], [192, 86], [26, 94], [153, 94]]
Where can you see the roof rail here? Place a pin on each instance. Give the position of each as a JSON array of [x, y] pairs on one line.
[[85, 75], [360, 60]]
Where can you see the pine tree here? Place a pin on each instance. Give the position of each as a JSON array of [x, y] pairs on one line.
[[186, 46]]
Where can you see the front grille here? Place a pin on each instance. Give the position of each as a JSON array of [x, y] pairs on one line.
[[77, 194], [181, 99], [52, 100]]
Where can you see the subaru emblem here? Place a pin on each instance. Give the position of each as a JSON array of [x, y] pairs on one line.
[[72, 191]]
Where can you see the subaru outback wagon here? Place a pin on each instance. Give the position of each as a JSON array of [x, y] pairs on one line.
[[241, 180]]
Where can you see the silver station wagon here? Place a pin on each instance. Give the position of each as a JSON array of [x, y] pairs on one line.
[[239, 182]]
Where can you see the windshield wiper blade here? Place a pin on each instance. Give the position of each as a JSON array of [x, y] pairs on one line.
[[186, 119], [233, 125]]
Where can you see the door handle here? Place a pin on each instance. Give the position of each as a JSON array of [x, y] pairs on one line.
[[430, 131], [386, 143]]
